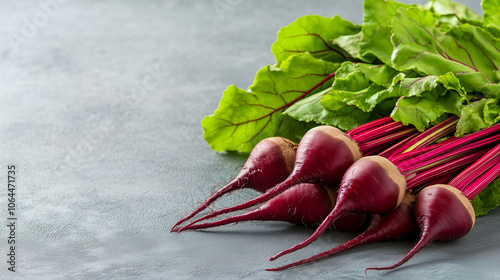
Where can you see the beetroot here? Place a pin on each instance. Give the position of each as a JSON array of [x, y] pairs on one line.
[[269, 163], [443, 213]]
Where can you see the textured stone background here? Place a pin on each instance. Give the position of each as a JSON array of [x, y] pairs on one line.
[[102, 103]]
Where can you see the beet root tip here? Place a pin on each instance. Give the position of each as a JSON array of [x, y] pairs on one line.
[[174, 229]]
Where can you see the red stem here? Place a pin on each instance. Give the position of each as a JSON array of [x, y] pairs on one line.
[[435, 157], [443, 169], [479, 175], [391, 150], [454, 143], [469, 174], [373, 146], [461, 146], [442, 179], [430, 135], [386, 129], [482, 182], [368, 126]]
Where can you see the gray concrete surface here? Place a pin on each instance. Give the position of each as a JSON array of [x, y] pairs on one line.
[[102, 103]]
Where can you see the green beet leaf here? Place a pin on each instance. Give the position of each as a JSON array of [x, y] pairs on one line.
[[487, 199], [425, 99], [340, 115], [344, 116], [354, 98], [477, 115], [376, 32], [313, 34], [468, 51], [491, 16], [245, 117], [380, 74], [361, 85], [348, 103], [349, 77], [365, 99], [350, 44], [450, 13]]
